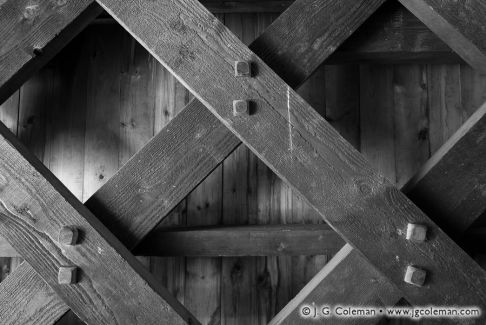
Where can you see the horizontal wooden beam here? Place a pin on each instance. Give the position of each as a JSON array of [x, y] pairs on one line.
[[302, 148], [33, 33], [394, 35], [256, 240], [169, 167], [391, 35]]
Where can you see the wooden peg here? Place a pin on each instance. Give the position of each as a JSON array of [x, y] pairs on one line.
[[415, 276], [242, 69], [416, 233], [67, 275], [241, 107], [68, 236]]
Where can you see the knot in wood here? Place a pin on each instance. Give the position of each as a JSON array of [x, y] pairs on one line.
[[363, 187], [31, 12]]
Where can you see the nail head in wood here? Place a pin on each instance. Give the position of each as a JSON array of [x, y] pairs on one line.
[[68, 236], [241, 107], [415, 276], [67, 275], [242, 69], [416, 233]]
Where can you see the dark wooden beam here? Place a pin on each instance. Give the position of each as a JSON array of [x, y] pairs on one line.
[[460, 24], [204, 144], [451, 186], [391, 35], [256, 240], [33, 33], [35, 206], [302, 148], [453, 201]]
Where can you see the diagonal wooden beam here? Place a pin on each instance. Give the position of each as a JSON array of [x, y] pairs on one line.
[[303, 149], [460, 24], [176, 160], [33, 33], [107, 285], [455, 202]]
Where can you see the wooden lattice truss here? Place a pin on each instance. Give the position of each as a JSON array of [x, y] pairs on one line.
[[275, 123]]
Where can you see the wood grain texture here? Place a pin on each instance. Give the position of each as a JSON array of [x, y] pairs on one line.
[[37, 302], [34, 32], [34, 205], [302, 149], [458, 23], [327, 288], [328, 29], [393, 35], [256, 240], [455, 202], [195, 122], [378, 97]]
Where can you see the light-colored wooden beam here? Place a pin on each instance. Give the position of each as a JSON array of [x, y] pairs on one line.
[[35, 206], [460, 24], [33, 33], [168, 168], [303, 149]]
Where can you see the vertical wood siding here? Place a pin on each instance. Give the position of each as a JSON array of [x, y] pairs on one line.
[[104, 97]]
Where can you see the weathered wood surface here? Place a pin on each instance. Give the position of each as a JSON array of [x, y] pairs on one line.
[[261, 240], [325, 162], [459, 24], [192, 166], [393, 35], [330, 31], [33, 32], [334, 280], [382, 91], [455, 202], [34, 206]]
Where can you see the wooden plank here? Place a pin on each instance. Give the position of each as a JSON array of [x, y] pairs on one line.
[[461, 199], [34, 206], [302, 148], [458, 24], [411, 120], [210, 143], [246, 6], [34, 32]]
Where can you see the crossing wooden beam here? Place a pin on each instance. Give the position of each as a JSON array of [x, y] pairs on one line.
[[301, 147], [172, 164], [34, 208], [33, 33], [455, 202], [460, 24]]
